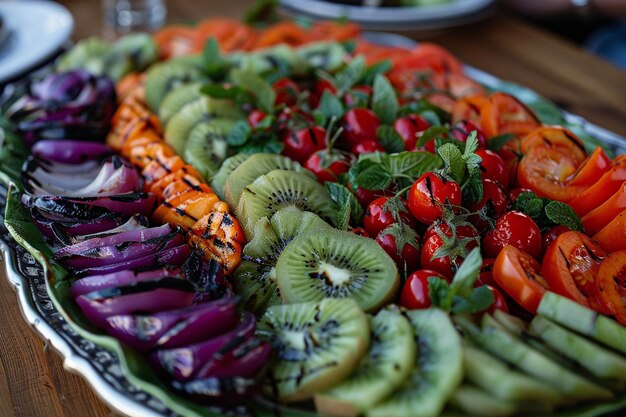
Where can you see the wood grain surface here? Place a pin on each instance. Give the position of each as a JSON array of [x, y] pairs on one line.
[[33, 382]]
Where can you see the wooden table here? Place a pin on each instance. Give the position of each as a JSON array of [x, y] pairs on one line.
[[32, 379]]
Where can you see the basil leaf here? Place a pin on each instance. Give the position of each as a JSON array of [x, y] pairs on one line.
[[497, 142], [478, 300], [384, 100], [564, 215], [344, 198], [264, 94], [389, 139]]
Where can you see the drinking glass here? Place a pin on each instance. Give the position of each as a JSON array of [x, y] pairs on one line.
[[124, 16]]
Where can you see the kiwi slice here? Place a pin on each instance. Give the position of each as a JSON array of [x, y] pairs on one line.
[[333, 263], [206, 147], [437, 373], [228, 166], [164, 77], [255, 278], [279, 189], [203, 109], [316, 344], [386, 366], [257, 165], [176, 99]]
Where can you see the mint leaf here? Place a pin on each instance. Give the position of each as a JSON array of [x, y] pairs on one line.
[[479, 300], [350, 75], [262, 144], [411, 164], [215, 65], [439, 293], [471, 145], [384, 100], [454, 165], [529, 204], [378, 68], [468, 272], [389, 139], [239, 134], [473, 188], [330, 106], [261, 90], [369, 175], [430, 133], [563, 215], [497, 142], [345, 200]]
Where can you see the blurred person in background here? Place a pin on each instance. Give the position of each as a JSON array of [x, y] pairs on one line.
[[599, 25]]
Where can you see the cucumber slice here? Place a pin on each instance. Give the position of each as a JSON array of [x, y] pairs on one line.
[[438, 370], [583, 320]]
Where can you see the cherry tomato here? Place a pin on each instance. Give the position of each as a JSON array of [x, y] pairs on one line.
[[511, 162], [440, 235], [499, 302], [368, 146], [358, 96], [302, 143], [294, 119], [384, 211], [360, 231], [600, 217], [570, 267], [329, 165], [406, 258], [611, 285], [428, 194], [365, 197], [359, 125], [408, 127], [287, 92], [486, 273], [592, 169], [255, 117], [550, 236], [558, 138], [317, 92], [463, 128], [493, 167], [504, 114], [415, 292], [495, 203], [545, 171], [516, 229], [603, 189], [517, 273], [515, 192]]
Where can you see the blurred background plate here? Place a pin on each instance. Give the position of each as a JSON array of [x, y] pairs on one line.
[[35, 30], [428, 17]]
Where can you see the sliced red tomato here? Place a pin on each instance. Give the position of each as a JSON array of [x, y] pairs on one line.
[[442, 100], [545, 171], [570, 267], [603, 189], [601, 216], [468, 108], [285, 32], [458, 85], [612, 237], [506, 114], [437, 58], [517, 273], [555, 137], [230, 34], [611, 285], [174, 41], [334, 31], [592, 169]]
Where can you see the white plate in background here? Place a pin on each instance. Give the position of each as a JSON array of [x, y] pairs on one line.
[[35, 31]]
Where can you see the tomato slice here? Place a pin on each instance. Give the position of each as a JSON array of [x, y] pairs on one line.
[[334, 31], [230, 34], [570, 267], [506, 114], [285, 32], [517, 273], [443, 101], [595, 166], [468, 108], [611, 285], [612, 237], [603, 189], [555, 137], [437, 58], [601, 216], [545, 171], [461, 86], [174, 41]]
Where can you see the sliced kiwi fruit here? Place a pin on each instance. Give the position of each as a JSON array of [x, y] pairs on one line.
[[317, 345], [176, 99], [228, 166], [255, 278], [338, 264], [280, 189], [387, 364], [164, 77], [477, 402], [203, 109], [437, 373], [206, 147], [257, 165]]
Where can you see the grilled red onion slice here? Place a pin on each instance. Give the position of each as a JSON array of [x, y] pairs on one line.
[[121, 278], [136, 222], [70, 151], [87, 208], [245, 360]]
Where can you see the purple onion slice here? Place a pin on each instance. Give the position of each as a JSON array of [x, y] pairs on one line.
[[117, 279]]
